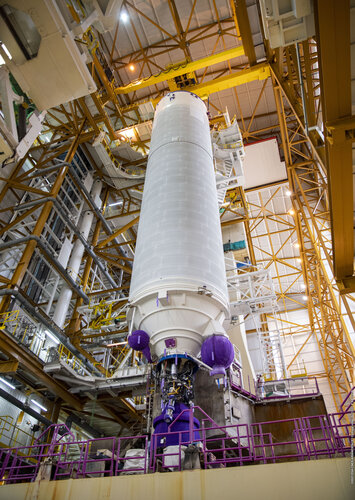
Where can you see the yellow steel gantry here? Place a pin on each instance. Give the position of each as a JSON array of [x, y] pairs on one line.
[[181, 69]]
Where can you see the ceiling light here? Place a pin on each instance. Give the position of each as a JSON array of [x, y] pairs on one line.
[[114, 345], [116, 203], [291, 212], [52, 337], [39, 405], [124, 16], [288, 193], [128, 133], [297, 245], [6, 50], [7, 383], [132, 67], [304, 297], [299, 260], [303, 286]]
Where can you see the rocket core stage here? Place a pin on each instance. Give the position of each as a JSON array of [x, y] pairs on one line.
[[178, 296]]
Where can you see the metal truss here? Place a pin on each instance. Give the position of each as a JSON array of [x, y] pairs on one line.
[[253, 296], [311, 213], [317, 83]]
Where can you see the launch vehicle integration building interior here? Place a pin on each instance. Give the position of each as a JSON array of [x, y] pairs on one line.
[[177, 249]]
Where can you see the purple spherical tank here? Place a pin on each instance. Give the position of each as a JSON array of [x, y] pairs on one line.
[[139, 341], [218, 353]]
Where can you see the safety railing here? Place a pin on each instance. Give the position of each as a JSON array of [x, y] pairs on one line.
[[348, 402], [289, 388], [209, 447], [10, 320], [71, 360], [343, 431], [271, 440], [11, 434], [228, 446], [318, 435], [312, 437], [75, 459], [82, 459]]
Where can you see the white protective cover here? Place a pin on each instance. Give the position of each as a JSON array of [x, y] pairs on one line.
[[178, 282], [133, 462], [171, 457]]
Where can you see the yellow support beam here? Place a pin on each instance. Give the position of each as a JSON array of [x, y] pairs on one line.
[[258, 72], [203, 90], [346, 285], [9, 366], [241, 19], [341, 130], [117, 232], [333, 40], [181, 69]]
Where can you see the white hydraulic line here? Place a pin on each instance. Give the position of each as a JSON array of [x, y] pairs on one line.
[[75, 260]]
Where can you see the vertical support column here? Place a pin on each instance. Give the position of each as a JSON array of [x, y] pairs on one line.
[[332, 21], [75, 320], [76, 258]]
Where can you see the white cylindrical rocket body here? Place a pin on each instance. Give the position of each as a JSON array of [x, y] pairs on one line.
[[178, 290]]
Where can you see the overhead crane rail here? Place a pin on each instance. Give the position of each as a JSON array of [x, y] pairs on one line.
[[181, 69]]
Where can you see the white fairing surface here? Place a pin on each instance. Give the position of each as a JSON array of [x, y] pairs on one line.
[[178, 282]]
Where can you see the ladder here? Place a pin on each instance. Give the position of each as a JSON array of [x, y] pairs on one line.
[[222, 185]]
